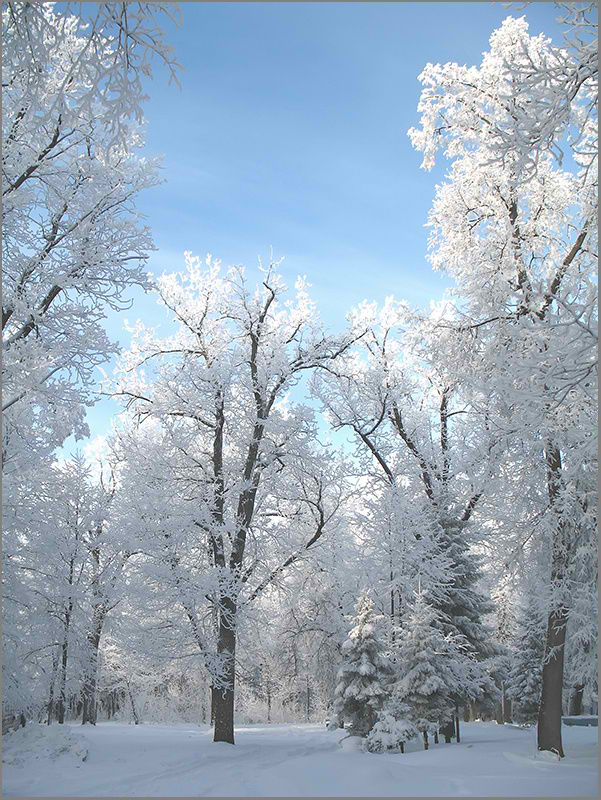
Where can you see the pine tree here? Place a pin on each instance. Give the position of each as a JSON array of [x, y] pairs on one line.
[[436, 667], [525, 677], [361, 690]]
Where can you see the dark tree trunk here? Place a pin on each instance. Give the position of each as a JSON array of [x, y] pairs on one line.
[[425, 740], [448, 731], [213, 705], [308, 709], [224, 698], [499, 717], [506, 706], [90, 677], [467, 712], [133, 705], [576, 701], [55, 661], [436, 737], [62, 694], [457, 723], [549, 715]]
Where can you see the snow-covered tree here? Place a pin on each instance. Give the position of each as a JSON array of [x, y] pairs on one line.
[[525, 677], [432, 457], [393, 727], [235, 467], [553, 97], [434, 667], [72, 243], [523, 253], [364, 674]]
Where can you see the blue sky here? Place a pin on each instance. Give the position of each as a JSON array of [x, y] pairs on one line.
[[290, 131]]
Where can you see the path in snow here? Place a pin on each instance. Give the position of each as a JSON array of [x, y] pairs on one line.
[[287, 761]]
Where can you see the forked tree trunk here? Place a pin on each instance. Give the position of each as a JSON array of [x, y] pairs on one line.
[[224, 698]]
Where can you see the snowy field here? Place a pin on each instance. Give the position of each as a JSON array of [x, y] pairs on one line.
[[287, 761]]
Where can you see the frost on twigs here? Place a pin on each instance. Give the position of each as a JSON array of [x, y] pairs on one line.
[[531, 92], [72, 242]]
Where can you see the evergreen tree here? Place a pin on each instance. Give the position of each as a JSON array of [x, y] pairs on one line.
[[361, 690], [525, 677], [464, 609], [436, 668], [466, 604], [393, 727]]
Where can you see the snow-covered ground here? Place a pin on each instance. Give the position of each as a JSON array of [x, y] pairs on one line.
[[115, 759]]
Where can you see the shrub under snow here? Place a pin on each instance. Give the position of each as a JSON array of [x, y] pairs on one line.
[[44, 742]]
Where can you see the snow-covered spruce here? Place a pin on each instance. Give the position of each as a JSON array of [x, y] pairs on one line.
[[525, 677], [393, 727], [435, 668], [364, 674]]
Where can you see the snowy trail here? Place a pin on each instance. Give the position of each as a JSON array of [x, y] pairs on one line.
[[294, 761]]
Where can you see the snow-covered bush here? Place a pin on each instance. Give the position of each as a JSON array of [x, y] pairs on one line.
[[392, 728]]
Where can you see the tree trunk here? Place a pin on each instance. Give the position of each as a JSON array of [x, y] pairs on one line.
[[90, 676], [436, 737], [576, 700], [457, 723], [549, 715], [309, 699], [425, 740], [506, 707], [213, 705], [62, 694], [224, 697], [55, 661], [448, 731], [62, 697], [499, 716], [133, 705]]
